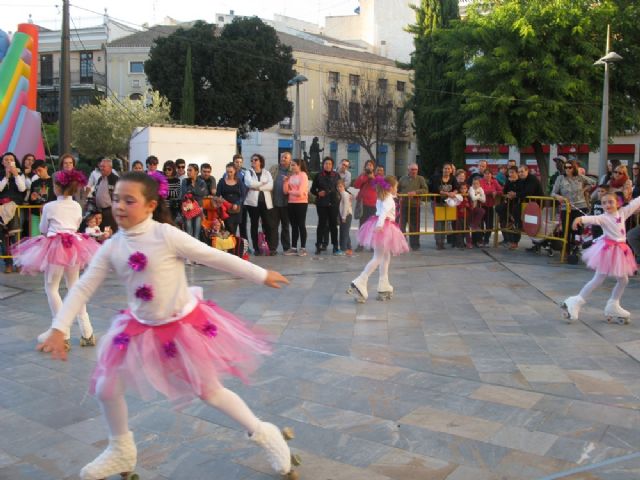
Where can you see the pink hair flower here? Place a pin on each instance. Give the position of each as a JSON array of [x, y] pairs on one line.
[[144, 293], [65, 177], [137, 261], [163, 185]]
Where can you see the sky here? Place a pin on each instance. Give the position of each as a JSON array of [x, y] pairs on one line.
[[86, 13]]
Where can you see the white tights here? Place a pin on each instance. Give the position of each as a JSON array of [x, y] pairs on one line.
[[52, 278], [115, 411], [596, 281], [381, 260]]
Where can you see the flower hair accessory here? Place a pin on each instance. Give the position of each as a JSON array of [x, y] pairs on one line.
[[65, 177], [382, 183], [163, 185]]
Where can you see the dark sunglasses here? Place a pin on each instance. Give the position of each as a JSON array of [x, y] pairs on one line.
[[568, 166]]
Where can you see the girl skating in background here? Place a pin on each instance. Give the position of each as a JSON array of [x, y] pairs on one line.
[[169, 339], [60, 251], [609, 256], [382, 234]]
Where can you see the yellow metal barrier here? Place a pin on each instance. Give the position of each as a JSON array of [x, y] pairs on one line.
[[26, 215], [418, 206]]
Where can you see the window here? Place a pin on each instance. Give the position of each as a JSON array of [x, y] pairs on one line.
[[221, 19], [400, 86], [402, 124], [135, 83], [135, 96], [334, 78], [332, 107], [86, 67], [354, 112], [46, 69], [382, 84], [136, 67]]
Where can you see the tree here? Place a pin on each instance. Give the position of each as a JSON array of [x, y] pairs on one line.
[[436, 102], [105, 128], [528, 75], [188, 103], [240, 74], [364, 113]]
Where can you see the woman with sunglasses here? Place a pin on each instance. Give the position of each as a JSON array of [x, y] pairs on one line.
[[620, 182]]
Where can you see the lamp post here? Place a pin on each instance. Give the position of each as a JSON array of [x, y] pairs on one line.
[[609, 57], [297, 80]]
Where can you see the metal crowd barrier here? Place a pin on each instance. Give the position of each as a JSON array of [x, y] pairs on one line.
[[28, 222], [418, 208]]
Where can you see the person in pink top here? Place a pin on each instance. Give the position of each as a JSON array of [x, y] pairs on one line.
[[367, 193], [296, 185], [492, 189]]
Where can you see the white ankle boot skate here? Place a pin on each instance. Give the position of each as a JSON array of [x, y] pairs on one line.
[[358, 289], [572, 306], [615, 313], [385, 290], [274, 442], [119, 458]]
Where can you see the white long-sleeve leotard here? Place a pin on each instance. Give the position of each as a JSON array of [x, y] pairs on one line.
[[165, 248], [613, 226], [385, 210], [62, 216]]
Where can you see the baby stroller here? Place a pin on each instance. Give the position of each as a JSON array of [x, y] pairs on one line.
[[577, 240]]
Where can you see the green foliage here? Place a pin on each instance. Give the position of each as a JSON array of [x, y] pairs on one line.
[[51, 133], [105, 128], [188, 113], [436, 102], [240, 74]]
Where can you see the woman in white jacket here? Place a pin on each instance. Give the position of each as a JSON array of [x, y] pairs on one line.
[[259, 203]]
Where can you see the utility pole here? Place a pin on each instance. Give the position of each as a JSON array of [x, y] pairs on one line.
[[64, 109]]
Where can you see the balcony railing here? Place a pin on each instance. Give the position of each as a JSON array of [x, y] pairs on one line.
[[94, 79]]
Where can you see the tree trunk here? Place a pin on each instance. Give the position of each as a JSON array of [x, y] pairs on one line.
[[543, 164]]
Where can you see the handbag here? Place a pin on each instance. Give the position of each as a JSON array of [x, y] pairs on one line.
[[357, 208], [190, 208]]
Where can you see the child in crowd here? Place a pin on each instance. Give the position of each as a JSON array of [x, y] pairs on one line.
[[478, 199], [60, 252], [382, 234], [169, 339], [609, 256], [137, 166], [93, 228], [463, 217], [346, 214]]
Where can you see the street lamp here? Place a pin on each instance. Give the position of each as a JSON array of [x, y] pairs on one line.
[[297, 80], [610, 57]]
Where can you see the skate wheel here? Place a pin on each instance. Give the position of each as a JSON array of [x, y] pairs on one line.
[[129, 476], [287, 434], [296, 459], [349, 290], [622, 321], [566, 315], [292, 475]]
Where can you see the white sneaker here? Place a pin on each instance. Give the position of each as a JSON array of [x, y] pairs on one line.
[[291, 251], [269, 437], [119, 457], [302, 252]]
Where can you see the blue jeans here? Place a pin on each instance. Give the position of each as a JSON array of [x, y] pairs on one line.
[[193, 226], [345, 239]]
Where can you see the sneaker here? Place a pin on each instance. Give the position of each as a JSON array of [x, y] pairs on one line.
[[359, 248], [349, 252], [8, 269], [291, 251], [302, 252], [318, 250], [273, 253], [338, 253]]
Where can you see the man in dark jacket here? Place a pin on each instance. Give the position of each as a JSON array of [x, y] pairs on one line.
[[324, 187], [530, 185]]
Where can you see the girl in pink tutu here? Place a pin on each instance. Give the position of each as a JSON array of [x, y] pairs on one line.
[[382, 234], [609, 256], [60, 251], [168, 339]]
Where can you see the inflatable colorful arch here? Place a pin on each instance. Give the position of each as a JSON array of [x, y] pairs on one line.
[[20, 123]]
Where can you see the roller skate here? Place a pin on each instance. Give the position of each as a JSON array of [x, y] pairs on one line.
[[615, 313], [358, 291], [385, 291], [276, 449], [88, 341], [119, 458], [572, 307], [44, 335]]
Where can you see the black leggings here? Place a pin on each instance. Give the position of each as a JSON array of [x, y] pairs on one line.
[[298, 218], [328, 219]]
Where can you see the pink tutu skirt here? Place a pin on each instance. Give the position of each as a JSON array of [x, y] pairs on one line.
[[613, 258], [390, 238], [181, 360], [33, 255]]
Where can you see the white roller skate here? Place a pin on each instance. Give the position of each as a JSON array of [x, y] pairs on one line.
[[276, 449], [358, 290], [119, 458], [44, 335], [385, 290], [572, 306], [615, 313]]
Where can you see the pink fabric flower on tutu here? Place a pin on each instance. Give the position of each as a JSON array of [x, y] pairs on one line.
[[137, 261], [67, 241], [163, 185], [121, 341], [210, 330], [170, 349], [144, 293]]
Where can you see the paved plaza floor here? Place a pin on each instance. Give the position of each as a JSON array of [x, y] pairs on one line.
[[469, 373]]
